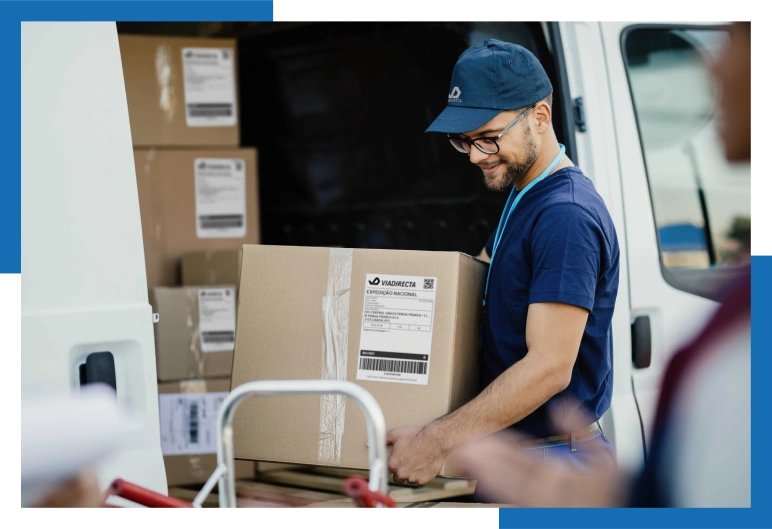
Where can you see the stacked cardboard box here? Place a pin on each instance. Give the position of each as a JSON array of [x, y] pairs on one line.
[[194, 201], [188, 414], [197, 194], [181, 92]]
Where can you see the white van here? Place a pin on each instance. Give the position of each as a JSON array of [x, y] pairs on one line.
[[634, 104]]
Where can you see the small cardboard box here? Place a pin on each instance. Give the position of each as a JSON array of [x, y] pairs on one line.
[[195, 334], [194, 201], [188, 413], [401, 324], [181, 92]]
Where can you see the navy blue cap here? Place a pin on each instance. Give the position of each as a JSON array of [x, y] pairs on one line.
[[487, 79]]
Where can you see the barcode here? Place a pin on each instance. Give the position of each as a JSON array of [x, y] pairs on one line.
[[428, 283], [397, 366], [220, 221], [218, 336], [193, 424], [209, 110]]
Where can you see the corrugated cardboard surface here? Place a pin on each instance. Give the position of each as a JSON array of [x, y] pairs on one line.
[[167, 202], [192, 469], [466, 361], [155, 92], [177, 338], [280, 331], [221, 267]]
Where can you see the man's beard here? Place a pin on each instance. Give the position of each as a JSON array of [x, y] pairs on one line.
[[515, 170]]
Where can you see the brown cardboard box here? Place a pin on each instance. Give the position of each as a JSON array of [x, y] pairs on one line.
[[170, 199], [183, 350], [301, 317], [192, 468], [172, 104], [211, 268]]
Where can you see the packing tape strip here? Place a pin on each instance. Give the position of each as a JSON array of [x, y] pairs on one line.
[[335, 309], [166, 77], [195, 357]]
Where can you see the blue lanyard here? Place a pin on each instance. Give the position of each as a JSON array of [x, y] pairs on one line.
[[509, 207]]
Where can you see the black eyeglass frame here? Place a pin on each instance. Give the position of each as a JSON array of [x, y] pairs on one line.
[[460, 149]]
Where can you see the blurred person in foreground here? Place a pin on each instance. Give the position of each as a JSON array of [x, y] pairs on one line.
[[82, 491], [87, 426], [700, 455]]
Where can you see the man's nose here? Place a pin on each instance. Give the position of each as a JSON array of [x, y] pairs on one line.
[[476, 155]]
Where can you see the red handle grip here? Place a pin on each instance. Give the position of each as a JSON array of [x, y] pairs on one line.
[[356, 488], [143, 496]]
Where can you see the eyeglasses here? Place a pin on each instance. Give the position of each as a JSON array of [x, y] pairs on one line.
[[484, 145]]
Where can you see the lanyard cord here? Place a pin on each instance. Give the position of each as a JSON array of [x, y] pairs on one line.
[[509, 207]]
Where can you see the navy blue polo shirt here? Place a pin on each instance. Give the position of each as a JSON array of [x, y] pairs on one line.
[[559, 245]]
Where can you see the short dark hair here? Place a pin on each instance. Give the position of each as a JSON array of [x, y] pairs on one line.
[[548, 99]]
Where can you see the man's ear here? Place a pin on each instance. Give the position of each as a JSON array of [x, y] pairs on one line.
[[543, 115]]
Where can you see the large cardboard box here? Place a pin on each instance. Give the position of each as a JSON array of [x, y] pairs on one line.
[[195, 334], [188, 413], [401, 324], [181, 92], [194, 201], [222, 267]]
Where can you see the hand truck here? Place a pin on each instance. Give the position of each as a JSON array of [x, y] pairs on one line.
[[365, 494]]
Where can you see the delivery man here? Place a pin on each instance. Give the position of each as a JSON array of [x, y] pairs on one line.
[[553, 277]]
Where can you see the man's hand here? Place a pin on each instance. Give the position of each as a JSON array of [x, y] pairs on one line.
[[416, 457]]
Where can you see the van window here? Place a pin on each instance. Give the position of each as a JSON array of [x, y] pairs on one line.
[[701, 203]]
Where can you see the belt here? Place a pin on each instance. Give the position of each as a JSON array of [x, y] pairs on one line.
[[572, 438]]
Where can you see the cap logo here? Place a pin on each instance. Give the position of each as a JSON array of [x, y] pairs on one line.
[[455, 95]]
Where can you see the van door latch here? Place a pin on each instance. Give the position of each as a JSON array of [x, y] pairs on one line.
[[579, 121]]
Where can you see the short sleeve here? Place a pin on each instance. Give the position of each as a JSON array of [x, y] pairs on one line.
[[566, 247]]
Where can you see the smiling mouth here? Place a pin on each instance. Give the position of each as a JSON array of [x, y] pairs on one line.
[[487, 169]]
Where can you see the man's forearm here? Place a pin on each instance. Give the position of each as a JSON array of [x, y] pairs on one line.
[[514, 395]]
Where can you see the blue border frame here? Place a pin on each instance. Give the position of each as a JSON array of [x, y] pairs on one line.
[[11, 16], [10, 143]]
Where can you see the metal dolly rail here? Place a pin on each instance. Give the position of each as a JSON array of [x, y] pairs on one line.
[[372, 494]]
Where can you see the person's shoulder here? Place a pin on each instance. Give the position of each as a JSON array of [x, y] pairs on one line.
[[566, 191], [584, 194], [566, 210], [574, 199], [565, 184], [581, 184]]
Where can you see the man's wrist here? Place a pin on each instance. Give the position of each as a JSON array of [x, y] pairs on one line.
[[436, 434]]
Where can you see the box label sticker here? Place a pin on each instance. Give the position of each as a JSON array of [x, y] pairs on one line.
[[221, 198], [189, 422], [397, 324], [210, 87], [217, 319]]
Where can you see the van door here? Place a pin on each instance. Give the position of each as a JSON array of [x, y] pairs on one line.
[[686, 211]]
